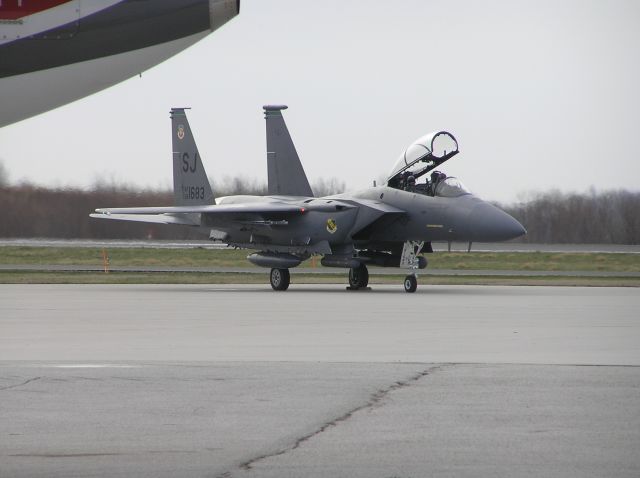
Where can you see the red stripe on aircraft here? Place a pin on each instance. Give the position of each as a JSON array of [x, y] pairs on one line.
[[15, 9]]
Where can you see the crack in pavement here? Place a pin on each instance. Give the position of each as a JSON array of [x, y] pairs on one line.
[[374, 400], [20, 384]]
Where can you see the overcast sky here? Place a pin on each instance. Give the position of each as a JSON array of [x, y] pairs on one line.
[[539, 94]]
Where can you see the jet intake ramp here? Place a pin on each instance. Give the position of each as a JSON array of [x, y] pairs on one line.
[[286, 175]]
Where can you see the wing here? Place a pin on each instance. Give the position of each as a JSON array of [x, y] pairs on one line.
[[190, 215], [153, 218], [257, 207]]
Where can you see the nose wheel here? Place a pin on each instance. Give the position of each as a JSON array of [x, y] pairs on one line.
[[410, 283], [279, 279]]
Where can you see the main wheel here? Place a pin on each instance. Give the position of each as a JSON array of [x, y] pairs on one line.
[[410, 283], [280, 279], [359, 277]]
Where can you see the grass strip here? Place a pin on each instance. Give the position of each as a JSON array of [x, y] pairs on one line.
[[201, 257]]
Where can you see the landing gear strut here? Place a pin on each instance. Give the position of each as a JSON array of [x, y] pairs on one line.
[[358, 277], [279, 279]]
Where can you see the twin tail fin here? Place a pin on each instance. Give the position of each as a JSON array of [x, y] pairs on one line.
[[286, 175], [190, 182]]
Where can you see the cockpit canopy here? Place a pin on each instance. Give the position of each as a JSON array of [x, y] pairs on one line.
[[450, 188], [423, 155]]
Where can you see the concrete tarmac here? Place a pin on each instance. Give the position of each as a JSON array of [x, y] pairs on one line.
[[480, 324], [312, 270], [235, 381]]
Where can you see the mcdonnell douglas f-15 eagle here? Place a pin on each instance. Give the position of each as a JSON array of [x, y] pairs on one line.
[[387, 226]]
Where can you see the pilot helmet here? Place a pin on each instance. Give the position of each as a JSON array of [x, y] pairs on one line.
[[437, 176], [411, 179]]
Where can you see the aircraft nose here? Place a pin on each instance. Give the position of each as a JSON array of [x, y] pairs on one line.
[[489, 223]]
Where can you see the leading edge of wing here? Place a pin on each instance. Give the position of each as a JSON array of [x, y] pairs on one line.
[[153, 218], [209, 209]]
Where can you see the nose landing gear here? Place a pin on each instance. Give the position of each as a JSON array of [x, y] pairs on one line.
[[410, 283], [410, 260]]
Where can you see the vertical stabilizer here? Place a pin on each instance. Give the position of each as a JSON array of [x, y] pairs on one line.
[[285, 173], [190, 182]]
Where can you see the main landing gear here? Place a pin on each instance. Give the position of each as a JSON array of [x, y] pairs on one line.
[[280, 279], [358, 277]]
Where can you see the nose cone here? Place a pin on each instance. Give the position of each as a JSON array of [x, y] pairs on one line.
[[488, 224]]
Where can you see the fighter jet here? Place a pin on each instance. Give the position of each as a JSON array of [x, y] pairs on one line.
[[391, 225]]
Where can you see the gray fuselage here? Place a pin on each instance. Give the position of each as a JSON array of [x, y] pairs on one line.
[[337, 221]]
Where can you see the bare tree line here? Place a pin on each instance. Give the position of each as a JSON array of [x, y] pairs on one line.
[[237, 185], [33, 211], [550, 217], [606, 217]]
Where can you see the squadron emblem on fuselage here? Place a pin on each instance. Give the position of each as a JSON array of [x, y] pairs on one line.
[[331, 226]]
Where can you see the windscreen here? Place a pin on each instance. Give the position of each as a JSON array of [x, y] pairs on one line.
[[450, 188]]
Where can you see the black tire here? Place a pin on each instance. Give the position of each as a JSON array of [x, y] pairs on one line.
[[359, 277], [279, 279], [410, 283]]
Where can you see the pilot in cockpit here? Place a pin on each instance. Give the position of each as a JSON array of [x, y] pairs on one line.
[[411, 183], [436, 177]]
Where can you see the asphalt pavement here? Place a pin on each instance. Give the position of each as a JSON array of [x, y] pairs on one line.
[[235, 381]]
